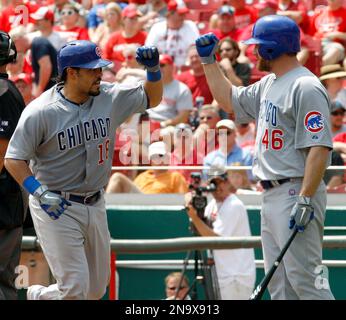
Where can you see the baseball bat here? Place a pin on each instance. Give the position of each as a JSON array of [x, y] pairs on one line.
[[259, 291]]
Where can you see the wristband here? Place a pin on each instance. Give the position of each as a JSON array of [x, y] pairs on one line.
[[154, 76], [208, 60], [31, 184]]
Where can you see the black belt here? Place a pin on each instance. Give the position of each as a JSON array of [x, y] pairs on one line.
[[268, 184], [88, 200]]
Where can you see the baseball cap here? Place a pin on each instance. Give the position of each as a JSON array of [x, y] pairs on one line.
[[266, 4], [337, 105], [157, 148], [43, 13], [166, 59], [216, 171], [229, 124], [179, 7], [131, 11], [24, 77], [225, 10], [332, 71]]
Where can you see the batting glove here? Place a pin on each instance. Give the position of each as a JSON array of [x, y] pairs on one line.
[[301, 214], [53, 204], [149, 58], [206, 46]]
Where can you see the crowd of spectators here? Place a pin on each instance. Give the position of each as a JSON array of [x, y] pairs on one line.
[[190, 124]]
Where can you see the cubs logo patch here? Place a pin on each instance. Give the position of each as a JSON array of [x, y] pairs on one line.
[[314, 121], [98, 51]]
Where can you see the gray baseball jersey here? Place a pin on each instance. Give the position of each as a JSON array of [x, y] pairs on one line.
[[71, 146], [291, 113]]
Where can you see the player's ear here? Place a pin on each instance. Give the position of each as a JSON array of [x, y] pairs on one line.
[[72, 73]]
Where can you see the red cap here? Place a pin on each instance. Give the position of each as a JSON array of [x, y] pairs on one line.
[[266, 4], [24, 77], [130, 11], [174, 6], [43, 13], [166, 59]]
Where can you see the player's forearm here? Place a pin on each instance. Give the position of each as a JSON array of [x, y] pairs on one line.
[[219, 85], [154, 91], [234, 78], [314, 170], [18, 169]]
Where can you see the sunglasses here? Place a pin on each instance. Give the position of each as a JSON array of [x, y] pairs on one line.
[[338, 113], [226, 49], [68, 12], [162, 65], [175, 288], [206, 117]]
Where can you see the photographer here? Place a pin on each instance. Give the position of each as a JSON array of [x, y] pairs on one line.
[[227, 217]]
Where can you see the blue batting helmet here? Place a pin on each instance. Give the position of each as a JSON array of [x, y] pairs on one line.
[[80, 54], [275, 36]]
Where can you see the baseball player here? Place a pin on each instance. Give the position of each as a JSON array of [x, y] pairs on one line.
[[293, 144], [67, 134]]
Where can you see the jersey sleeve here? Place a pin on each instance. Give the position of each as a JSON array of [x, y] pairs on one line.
[[312, 111], [128, 100], [27, 136], [244, 101]]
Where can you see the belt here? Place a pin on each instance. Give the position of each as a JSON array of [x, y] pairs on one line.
[[88, 200], [268, 184]]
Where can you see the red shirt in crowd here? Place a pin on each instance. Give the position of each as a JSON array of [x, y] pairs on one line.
[[340, 137], [326, 21], [245, 16], [116, 43], [299, 6], [197, 85], [234, 34], [75, 33], [12, 17]]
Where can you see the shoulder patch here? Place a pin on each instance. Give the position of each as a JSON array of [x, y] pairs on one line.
[[314, 121]]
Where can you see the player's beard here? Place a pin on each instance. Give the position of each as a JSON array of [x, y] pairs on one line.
[[94, 93], [263, 65]]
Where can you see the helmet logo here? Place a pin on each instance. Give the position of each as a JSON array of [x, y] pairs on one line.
[[314, 121], [98, 51]]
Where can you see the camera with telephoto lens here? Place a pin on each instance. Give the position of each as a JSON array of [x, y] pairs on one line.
[[199, 201]]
